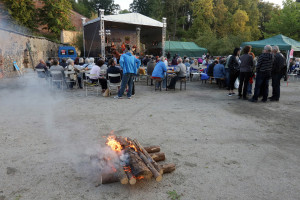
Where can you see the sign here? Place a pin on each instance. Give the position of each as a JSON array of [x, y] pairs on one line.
[[291, 53]]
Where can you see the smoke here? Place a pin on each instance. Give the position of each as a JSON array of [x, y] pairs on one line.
[[28, 102]]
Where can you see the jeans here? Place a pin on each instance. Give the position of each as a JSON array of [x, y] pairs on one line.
[[262, 83], [249, 88], [227, 77], [127, 79], [276, 86], [244, 81]]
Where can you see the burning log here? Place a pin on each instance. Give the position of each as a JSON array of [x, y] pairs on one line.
[[120, 175], [168, 168], [152, 149], [131, 178], [157, 175], [157, 167], [137, 166], [158, 156]]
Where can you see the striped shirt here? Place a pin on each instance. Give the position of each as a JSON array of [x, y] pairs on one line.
[[265, 62]]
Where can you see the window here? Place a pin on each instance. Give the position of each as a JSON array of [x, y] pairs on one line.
[[71, 52], [63, 52]]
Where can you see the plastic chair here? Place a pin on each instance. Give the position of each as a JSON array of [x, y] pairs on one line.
[[114, 86], [57, 77], [88, 84]]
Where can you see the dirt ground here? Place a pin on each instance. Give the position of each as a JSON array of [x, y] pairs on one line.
[[224, 148]]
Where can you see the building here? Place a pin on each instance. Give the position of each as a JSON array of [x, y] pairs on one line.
[[131, 29]]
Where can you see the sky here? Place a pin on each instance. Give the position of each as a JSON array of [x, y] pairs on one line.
[[124, 4]]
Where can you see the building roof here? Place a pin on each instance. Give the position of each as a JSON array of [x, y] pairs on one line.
[[130, 18]]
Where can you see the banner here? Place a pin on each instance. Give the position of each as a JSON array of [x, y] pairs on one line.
[[291, 53]]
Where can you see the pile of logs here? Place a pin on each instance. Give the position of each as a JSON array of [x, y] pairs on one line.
[[141, 164]]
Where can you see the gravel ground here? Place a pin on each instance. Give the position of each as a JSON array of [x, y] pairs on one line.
[[224, 148]]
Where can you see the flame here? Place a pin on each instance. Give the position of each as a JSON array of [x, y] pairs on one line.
[[131, 145], [113, 143]]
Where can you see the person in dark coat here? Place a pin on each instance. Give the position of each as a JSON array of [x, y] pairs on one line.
[[278, 71], [42, 65], [234, 69], [246, 70], [112, 69], [263, 69], [210, 69]]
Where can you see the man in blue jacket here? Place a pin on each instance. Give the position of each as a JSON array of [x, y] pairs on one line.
[[130, 64], [159, 70]]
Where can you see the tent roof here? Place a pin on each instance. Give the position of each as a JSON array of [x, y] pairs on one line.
[[184, 48], [129, 18], [283, 42]]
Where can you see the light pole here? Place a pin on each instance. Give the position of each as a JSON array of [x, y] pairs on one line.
[[83, 22], [164, 31], [102, 32]]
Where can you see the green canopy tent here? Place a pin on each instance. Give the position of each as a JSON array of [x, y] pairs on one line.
[[283, 42], [189, 49]]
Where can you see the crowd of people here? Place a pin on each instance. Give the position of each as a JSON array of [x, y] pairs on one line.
[[241, 68]]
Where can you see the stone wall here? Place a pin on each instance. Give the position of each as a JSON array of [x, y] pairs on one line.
[[18, 47]]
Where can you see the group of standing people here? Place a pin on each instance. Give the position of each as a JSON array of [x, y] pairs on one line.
[[269, 65]]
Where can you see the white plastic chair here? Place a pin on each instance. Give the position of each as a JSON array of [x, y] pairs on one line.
[[89, 85], [114, 86], [57, 77]]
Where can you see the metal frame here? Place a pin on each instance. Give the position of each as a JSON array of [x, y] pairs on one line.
[[164, 32], [102, 32]]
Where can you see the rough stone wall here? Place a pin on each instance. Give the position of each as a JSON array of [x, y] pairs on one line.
[[69, 37], [13, 48]]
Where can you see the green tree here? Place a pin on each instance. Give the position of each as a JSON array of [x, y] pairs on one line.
[[286, 22], [140, 6], [23, 12], [56, 15], [109, 6], [266, 10], [83, 7], [124, 11]]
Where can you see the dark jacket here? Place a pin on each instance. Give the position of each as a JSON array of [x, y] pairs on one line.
[[150, 67], [210, 70], [41, 66], [278, 64], [233, 64], [114, 70], [265, 63], [246, 63]]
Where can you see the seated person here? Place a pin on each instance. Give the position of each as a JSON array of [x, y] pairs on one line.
[[42, 65], [210, 69], [96, 75], [71, 67], [187, 63], [150, 67], [180, 74], [159, 70], [219, 72], [64, 63], [57, 67], [112, 69]]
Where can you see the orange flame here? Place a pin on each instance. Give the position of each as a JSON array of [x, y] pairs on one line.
[[131, 145], [113, 143]]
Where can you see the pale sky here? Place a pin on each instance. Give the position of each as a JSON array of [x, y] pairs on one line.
[[124, 4]]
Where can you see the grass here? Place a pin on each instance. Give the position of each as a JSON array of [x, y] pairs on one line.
[[173, 195]]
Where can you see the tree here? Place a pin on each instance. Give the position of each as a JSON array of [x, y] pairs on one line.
[[56, 15], [108, 6], [23, 12], [124, 11], [266, 10], [286, 22], [83, 7], [140, 6]]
